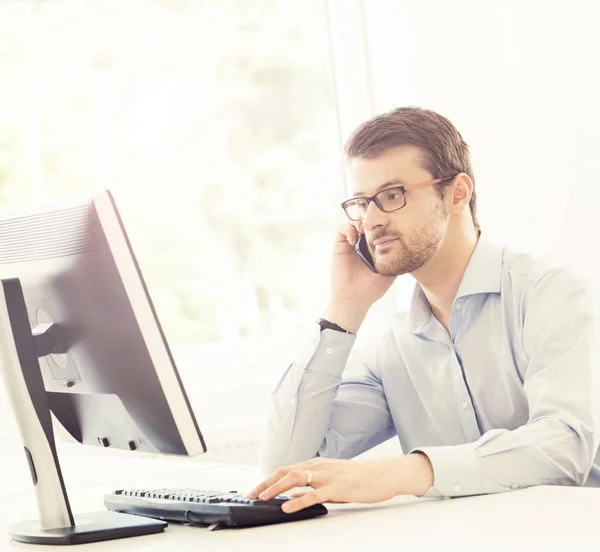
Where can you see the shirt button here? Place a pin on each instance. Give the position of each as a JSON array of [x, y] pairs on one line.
[[457, 488], [328, 351], [293, 400], [464, 404], [446, 497], [515, 487], [458, 306]]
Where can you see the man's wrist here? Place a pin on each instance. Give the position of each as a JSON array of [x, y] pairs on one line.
[[327, 325], [423, 472], [348, 317], [414, 474]]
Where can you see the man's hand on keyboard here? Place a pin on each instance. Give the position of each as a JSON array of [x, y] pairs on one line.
[[363, 481]]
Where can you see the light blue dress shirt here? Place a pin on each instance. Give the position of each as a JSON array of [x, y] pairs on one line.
[[506, 399]]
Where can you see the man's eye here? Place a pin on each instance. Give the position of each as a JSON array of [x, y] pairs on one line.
[[393, 195]]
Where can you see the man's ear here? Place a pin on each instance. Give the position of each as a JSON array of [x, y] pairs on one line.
[[462, 190]]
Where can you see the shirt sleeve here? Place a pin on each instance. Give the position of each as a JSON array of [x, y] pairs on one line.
[[316, 411], [558, 444]]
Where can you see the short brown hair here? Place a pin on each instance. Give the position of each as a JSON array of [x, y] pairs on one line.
[[445, 153]]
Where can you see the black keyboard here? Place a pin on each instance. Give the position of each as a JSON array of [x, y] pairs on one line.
[[211, 508]]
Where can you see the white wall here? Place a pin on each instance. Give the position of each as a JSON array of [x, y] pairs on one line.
[[520, 80]]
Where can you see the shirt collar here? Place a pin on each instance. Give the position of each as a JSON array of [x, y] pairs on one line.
[[483, 275], [419, 312]]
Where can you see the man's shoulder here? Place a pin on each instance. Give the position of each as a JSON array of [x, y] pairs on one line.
[[531, 268], [529, 272]]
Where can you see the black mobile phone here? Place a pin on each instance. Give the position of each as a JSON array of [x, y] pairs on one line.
[[362, 249]]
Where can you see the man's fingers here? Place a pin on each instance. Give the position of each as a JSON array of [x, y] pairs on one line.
[[300, 469], [347, 232], [296, 478], [298, 494], [307, 499], [273, 478]]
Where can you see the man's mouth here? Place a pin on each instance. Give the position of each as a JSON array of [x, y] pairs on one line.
[[383, 241]]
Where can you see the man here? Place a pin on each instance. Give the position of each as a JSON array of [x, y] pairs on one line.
[[488, 381]]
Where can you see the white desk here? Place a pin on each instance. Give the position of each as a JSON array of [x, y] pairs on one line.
[[540, 518]]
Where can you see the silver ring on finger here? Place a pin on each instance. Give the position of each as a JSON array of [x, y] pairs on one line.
[[309, 477]]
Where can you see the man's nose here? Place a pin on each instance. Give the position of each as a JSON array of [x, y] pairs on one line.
[[374, 217]]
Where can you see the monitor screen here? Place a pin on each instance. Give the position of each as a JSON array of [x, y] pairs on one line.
[[110, 380]]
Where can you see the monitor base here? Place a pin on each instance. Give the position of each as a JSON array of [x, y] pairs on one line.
[[94, 527]]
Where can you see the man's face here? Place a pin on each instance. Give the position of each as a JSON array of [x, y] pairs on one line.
[[415, 231]]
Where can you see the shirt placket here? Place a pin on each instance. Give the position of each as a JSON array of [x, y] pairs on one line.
[[464, 402]]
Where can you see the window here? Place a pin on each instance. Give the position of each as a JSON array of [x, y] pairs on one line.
[[215, 126]]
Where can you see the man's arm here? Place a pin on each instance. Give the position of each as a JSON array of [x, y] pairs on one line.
[[560, 441], [302, 421], [314, 412], [556, 446]]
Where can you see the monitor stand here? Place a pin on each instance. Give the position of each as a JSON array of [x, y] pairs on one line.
[[19, 352]]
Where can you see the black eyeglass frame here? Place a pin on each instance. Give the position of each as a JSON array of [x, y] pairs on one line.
[[403, 189]]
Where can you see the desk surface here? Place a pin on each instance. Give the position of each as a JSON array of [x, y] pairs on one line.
[[538, 518]]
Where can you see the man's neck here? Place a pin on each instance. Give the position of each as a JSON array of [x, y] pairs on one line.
[[440, 278]]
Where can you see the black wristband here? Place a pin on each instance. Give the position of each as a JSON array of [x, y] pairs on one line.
[[326, 325]]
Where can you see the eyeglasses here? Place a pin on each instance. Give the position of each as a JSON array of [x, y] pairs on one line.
[[388, 200]]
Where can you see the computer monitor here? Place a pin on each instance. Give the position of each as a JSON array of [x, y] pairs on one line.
[[79, 338]]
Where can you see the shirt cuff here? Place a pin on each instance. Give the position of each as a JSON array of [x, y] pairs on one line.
[[455, 471], [327, 352]]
